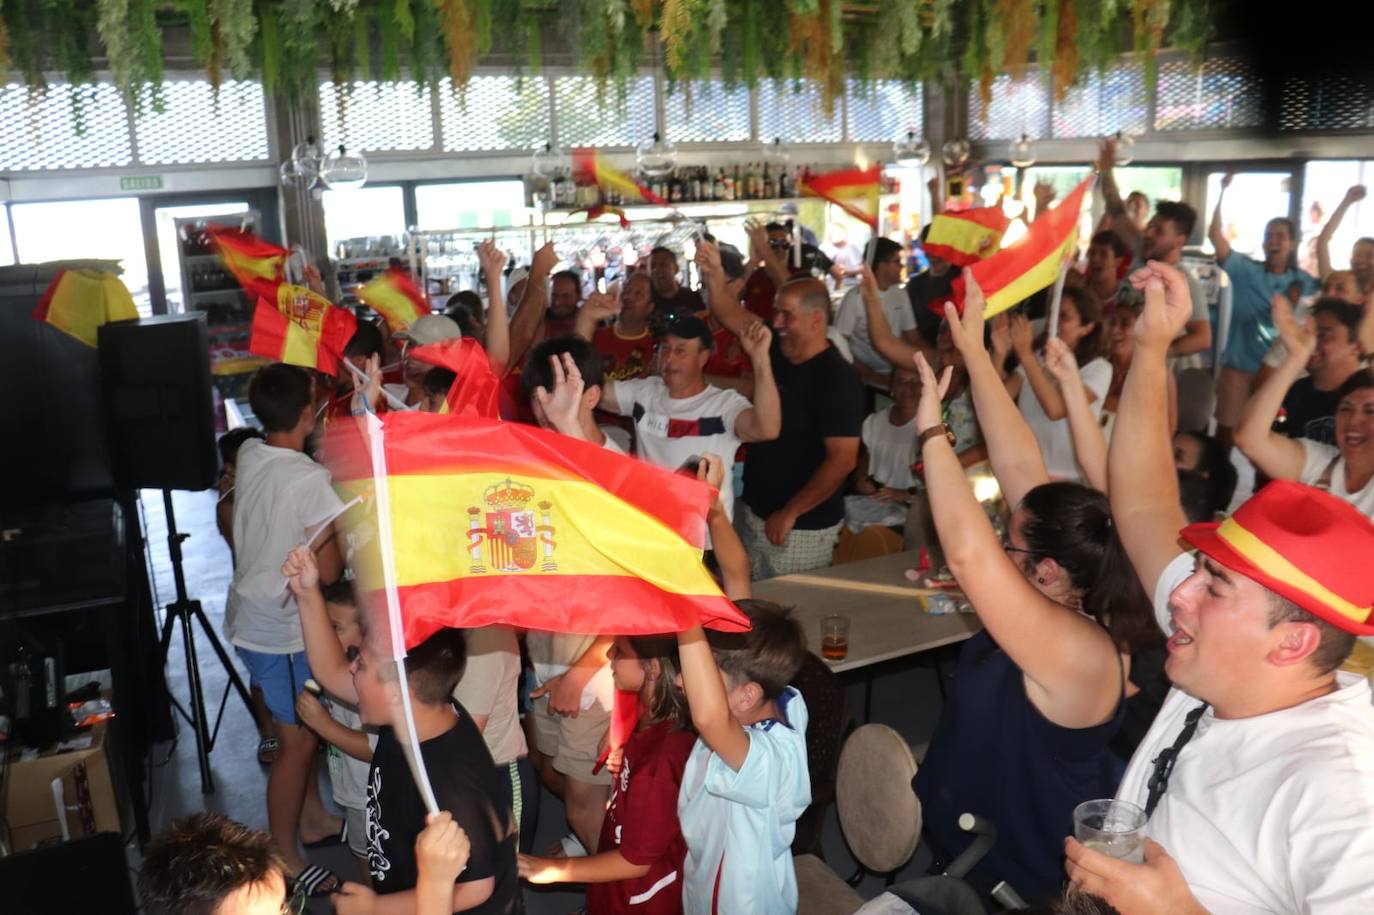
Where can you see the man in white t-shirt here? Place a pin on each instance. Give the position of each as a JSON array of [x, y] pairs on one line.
[[678, 416], [1257, 773], [851, 320]]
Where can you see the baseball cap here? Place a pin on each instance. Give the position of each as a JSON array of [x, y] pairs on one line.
[[431, 328], [690, 327]]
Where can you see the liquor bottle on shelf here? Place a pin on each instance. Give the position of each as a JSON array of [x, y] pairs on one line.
[[694, 185]]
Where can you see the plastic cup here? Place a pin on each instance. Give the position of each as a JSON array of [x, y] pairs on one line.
[[1115, 828], [835, 638]]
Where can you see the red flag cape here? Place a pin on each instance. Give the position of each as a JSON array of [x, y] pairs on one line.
[[854, 190], [476, 390], [258, 265], [477, 522], [395, 297], [301, 327], [1030, 263], [78, 302], [589, 167], [625, 708], [967, 237]]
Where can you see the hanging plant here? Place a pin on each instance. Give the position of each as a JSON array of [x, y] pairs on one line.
[[298, 23], [362, 43], [405, 21], [1016, 21], [269, 47], [1064, 70], [1148, 19], [4, 46], [811, 40], [460, 39], [1194, 28], [675, 27], [233, 24], [133, 49]]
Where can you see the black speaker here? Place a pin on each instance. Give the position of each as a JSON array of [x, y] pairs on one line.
[[159, 411]]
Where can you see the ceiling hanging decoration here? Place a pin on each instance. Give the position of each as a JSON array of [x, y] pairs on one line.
[[824, 42]]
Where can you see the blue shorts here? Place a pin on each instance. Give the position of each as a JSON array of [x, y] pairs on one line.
[[281, 677]]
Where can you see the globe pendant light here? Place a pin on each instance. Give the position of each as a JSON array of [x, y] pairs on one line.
[[1023, 152], [656, 159], [911, 151], [343, 170]]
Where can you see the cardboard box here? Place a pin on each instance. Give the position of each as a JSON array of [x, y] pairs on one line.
[[86, 794]]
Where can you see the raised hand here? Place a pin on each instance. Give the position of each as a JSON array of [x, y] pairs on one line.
[[1001, 337], [1227, 178], [711, 470], [1168, 304], [930, 410], [1022, 335], [1060, 362], [756, 340], [1044, 196], [1299, 339], [545, 259], [491, 258], [708, 256], [601, 306], [302, 574], [562, 406], [1354, 195], [966, 330], [1106, 154]]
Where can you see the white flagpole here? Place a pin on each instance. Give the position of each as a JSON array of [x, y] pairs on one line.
[[1052, 322], [360, 378]]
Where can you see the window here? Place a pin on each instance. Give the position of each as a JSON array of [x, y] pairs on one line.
[[109, 229], [43, 134], [702, 111], [1253, 199], [1224, 93], [882, 111], [1100, 104], [377, 116], [592, 113], [495, 112], [1324, 186], [793, 112], [1017, 107], [195, 126], [362, 213], [469, 205], [1331, 103]]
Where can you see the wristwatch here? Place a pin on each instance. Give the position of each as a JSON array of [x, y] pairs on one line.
[[938, 429]]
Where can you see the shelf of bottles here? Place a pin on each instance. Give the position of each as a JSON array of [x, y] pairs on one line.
[[208, 288], [686, 184], [358, 260]]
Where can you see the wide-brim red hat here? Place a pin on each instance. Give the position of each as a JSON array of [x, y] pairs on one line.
[[1303, 543]]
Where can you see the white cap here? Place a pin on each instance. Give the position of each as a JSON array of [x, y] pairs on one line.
[[431, 328]]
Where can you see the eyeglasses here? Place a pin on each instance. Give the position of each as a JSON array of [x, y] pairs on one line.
[[295, 903], [779, 243]]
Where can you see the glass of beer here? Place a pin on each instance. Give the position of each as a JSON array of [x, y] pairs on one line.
[[1115, 828], [835, 638]]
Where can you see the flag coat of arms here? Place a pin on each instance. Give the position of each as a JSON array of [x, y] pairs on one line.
[[302, 328], [476, 522], [967, 237]]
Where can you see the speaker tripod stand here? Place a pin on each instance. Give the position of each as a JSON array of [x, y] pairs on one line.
[[182, 611]]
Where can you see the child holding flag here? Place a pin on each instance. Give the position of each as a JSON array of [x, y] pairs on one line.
[[638, 867]]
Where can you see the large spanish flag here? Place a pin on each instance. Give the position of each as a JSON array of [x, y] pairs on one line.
[[395, 297], [590, 168], [1033, 261], [258, 265], [301, 327], [854, 190], [967, 237], [475, 522], [78, 302], [476, 391]]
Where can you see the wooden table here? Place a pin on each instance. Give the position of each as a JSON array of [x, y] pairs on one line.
[[887, 619]]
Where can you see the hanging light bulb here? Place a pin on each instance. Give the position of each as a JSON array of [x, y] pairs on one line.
[[775, 153], [1125, 148], [548, 161], [955, 153], [1023, 152], [656, 159], [911, 151], [293, 175], [343, 170]]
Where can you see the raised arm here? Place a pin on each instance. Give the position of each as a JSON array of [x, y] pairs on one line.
[[1352, 196], [890, 346], [761, 250], [1012, 448], [1068, 661], [707, 700], [731, 556], [1272, 452], [725, 307], [1216, 231], [497, 337], [1142, 482], [322, 647], [1089, 443], [598, 307], [1043, 386], [763, 421], [529, 313]]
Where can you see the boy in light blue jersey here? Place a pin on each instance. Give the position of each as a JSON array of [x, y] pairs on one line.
[[746, 781]]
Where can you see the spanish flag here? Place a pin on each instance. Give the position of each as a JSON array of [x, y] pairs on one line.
[[476, 391], [78, 302], [1033, 261], [475, 522], [590, 168], [967, 237], [854, 190], [258, 265], [395, 297], [301, 327]]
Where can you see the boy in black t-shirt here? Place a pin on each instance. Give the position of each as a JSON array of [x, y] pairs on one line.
[[459, 766]]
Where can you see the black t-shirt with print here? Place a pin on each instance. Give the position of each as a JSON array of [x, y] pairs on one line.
[[465, 784], [1310, 413], [821, 398]]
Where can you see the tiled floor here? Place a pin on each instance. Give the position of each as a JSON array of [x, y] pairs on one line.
[[904, 697]]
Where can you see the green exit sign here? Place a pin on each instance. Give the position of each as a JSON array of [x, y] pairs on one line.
[[141, 183]]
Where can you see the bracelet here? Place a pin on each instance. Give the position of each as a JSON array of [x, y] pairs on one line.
[[938, 429]]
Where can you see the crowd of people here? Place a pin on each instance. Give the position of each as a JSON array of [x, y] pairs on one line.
[[1143, 636]]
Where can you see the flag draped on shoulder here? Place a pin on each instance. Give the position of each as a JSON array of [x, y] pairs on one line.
[[476, 391], [78, 302], [967, 237], [258, 265], [477, 522], [300, 327], [854, 190], [589, 167], [1033, 261], [395, 297]]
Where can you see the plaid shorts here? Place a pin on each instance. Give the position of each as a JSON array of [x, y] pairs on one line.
[[803, 550]]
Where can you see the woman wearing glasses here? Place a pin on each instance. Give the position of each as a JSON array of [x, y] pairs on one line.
[[1040, 694]]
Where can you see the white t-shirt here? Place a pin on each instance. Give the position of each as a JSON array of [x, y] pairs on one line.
[[1319, 456], [347, 775], [280, 498], [851, 320], [669, 430], [491, 681], [1271, 813], [889, 449], [1056, 441]]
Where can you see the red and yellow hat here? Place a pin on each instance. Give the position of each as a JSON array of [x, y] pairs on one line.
[[1304, 544]]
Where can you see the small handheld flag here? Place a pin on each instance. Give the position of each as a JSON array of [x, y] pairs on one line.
[[258, 265], [476, 390], [967, 237], [395, 297], [854, 190], [590, 168], [302, 328]]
